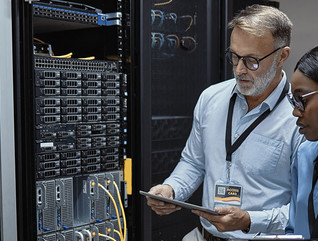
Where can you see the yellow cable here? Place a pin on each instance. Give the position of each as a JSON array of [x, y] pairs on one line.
[[67, 56], [164, 3], [39, 40], [88, 58], [116, 208], [106, 236], [122, 209], [116, 231], [191, 22]]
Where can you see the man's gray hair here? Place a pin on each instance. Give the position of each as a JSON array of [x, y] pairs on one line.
[[259, 19]]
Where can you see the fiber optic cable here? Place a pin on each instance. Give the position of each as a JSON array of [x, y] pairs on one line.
[[88, 58], [163, 3], [116, 231], [122, 208], [116, 208], [67, 56], [106, 236], [191, 21]]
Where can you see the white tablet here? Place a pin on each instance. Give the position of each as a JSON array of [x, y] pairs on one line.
[[179, 203]]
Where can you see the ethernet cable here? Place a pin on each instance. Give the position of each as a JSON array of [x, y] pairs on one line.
[[116, 208]]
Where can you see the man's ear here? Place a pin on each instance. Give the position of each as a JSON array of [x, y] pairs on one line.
[[283, 56]]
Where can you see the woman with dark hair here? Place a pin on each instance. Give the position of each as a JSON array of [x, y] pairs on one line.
[[304, 98]]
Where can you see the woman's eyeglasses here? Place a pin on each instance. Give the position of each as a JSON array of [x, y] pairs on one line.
[[299, 102]]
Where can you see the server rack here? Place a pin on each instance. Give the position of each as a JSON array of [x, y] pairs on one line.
[[72, 121]]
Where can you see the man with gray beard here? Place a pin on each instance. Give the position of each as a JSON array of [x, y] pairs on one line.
[[243, 139]]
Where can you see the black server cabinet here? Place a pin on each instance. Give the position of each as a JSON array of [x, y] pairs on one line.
[[180, 55], [72, 75]]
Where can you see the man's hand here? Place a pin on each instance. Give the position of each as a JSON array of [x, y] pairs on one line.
[[160, 207], [230, 218]]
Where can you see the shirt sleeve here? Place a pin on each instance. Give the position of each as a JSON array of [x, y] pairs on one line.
[[292, 209], [189, 173], [269, 221]]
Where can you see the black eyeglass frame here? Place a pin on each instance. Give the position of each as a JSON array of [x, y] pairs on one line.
[[245, 57], [299, 104]]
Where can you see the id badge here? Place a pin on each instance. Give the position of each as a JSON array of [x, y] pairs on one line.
[[228, 194]]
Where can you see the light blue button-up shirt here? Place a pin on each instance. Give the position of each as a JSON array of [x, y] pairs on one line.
[[302, 175], [262, 164]]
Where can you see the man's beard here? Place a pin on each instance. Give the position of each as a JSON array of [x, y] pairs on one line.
[[259, 84]]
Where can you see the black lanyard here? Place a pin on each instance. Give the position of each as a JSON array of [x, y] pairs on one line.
[[228, 134]]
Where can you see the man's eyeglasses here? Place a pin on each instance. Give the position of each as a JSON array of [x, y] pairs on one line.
[[299, 102], [250, 62]]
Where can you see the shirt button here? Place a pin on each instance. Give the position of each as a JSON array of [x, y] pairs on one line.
[[236, 135], [244, 108]]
